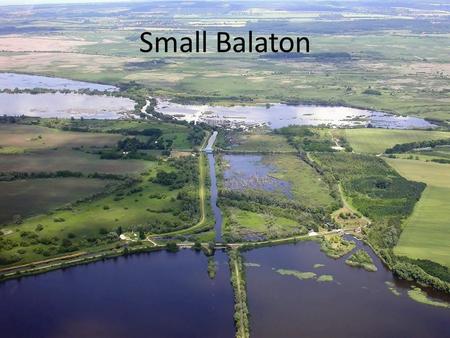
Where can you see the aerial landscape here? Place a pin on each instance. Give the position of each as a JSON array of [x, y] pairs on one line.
[[155, 184]]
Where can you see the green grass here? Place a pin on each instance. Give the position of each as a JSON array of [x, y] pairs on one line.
[[426, 233], [261, 143], [16, 138], [177, 133], [248, 223], [87, 224], [361, 259], [30, 197], [307, 186], [67, 159], [375, 141]]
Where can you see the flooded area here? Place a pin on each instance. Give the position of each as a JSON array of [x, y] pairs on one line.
[[23, 81], [147, 295], [245, 172], [65, 105], [355, 303], [279, 115]]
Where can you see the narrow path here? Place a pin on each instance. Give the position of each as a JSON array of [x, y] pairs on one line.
[[348, 205]]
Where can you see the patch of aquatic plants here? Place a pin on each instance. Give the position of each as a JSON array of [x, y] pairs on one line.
[[361, 259], [420, 296], [335, 246]]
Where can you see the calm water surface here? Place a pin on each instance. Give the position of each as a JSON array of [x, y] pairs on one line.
[[147, 295], [65, 105], [281, 115], [356, 304], [22, 81]]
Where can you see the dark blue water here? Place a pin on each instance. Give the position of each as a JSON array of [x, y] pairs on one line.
[[147, 295], [356, 304], [213, 197]]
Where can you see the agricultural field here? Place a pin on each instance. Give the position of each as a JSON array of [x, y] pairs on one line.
[[72, 160], [179, 134], [24, 198], [426, 233], [375, 61], [17, 139], [376, 141]]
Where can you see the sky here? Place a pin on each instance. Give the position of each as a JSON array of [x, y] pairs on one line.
[[35, 2]]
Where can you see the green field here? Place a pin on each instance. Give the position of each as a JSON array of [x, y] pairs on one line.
[[376, 141], [16, 138], [35, 196], [260, 143], [62, 159], [248, 224], [147, 205], [178, 133], [426, 233], [307, 186]]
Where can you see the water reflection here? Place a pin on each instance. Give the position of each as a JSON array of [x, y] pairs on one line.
[[281, 115]]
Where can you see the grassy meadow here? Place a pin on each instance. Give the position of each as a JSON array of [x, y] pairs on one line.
[[154, 207], [17, 139], [426, 233], [259, 142], [23, 198], [307, 186], [376, 141]]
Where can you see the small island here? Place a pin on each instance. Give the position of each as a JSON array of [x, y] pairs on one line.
[[361, 259]]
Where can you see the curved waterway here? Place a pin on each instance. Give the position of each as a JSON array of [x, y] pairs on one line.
[[147, 295], [356, 303]]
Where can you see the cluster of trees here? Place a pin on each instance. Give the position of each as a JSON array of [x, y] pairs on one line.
[[196, 136], [306, 140], [18, 175], [270, 206], [387, 199], [241, 313], [405, 147], [414, 272], [133, 144], [185, 172]]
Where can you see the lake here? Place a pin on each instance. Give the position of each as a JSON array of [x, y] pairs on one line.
[[23, 81], [146, 295], [356, 303], [279, 115], [65, 105]]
